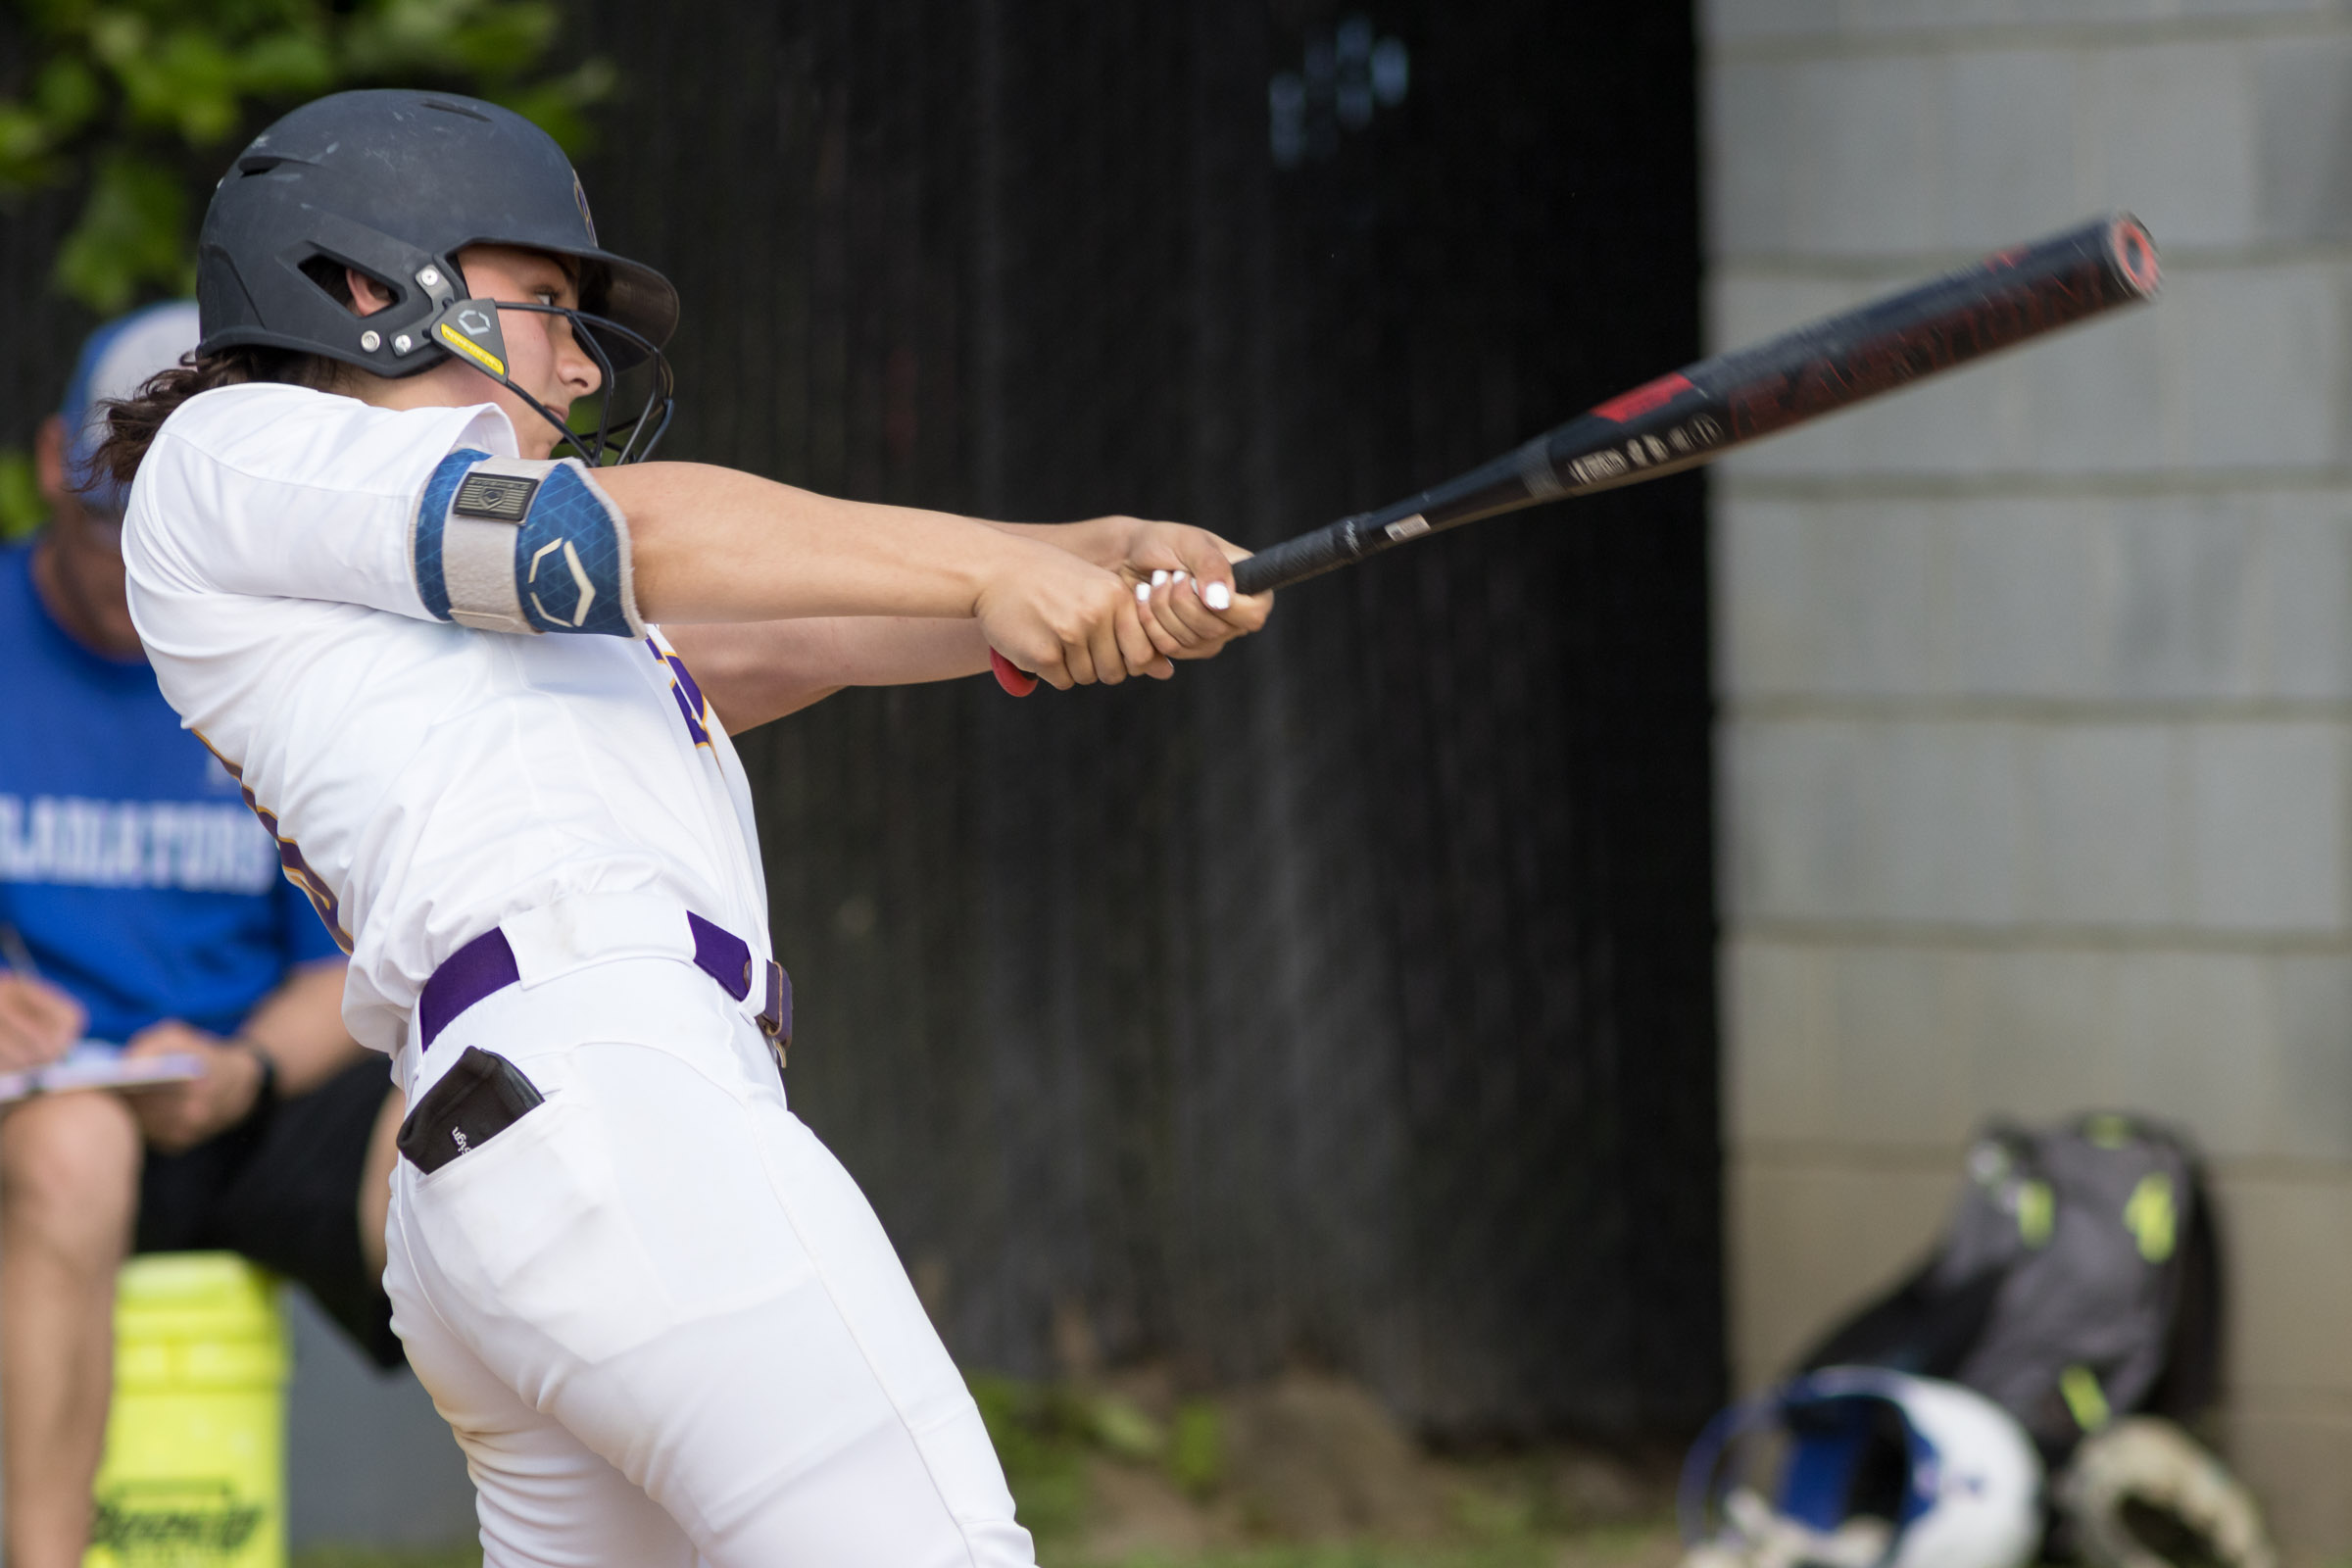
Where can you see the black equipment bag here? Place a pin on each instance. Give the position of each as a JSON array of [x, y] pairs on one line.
[[2079, 1280]]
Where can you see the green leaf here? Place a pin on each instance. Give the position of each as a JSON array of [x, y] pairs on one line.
[[484, 41], [24, 149], [122, 84], [1123, 1428], [133, 231], [242, 18], [289, 63], [555, 107], [21, 509], [393, 36], [197, 81], [503, 40], [1197, 1447], [66, 94], [116, 36]]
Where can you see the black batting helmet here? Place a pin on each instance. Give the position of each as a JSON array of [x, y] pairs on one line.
[[394, 183]]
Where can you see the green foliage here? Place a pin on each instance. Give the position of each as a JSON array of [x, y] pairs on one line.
[[1124, 1430], [21, 509], [132, 230], [1040, 1434], [1044, 1433], [1359, 1554], [127, 98], [1196, 1449]]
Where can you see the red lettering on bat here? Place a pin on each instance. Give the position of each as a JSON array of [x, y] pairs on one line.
[[1641, 399]]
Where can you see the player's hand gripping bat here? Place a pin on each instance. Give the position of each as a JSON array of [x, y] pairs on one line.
[[1705, 409]]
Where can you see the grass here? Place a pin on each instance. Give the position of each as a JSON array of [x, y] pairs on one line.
[[1520, 1553], [1326, 1557], [1517, 1555], [1060, 1443], [1512, 1555], [1605, 1547]]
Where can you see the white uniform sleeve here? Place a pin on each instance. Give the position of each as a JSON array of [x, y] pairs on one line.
[[279, 492]]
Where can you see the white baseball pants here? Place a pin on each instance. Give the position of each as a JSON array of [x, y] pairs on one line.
[[663, 1323]]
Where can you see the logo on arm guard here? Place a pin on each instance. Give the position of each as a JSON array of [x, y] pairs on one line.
[[497, 497]]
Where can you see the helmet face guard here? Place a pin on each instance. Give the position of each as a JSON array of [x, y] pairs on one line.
[[470, 331]]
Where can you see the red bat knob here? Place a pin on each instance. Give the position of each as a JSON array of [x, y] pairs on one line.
[[1016, 681]]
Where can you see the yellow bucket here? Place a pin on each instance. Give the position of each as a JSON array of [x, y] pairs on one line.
[[195, 1468]]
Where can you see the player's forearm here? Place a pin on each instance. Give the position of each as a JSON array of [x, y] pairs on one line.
[[1104, 541], [712, 544], [756, 672], [300, 1025]]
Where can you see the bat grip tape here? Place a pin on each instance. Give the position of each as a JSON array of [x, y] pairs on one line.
[[1310, 555]]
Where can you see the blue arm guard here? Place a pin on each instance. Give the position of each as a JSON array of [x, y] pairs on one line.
[[504, 544]]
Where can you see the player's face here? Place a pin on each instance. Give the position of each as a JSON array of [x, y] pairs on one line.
[[543, 357]]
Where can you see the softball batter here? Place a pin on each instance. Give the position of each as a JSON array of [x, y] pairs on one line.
[[661, 1320]]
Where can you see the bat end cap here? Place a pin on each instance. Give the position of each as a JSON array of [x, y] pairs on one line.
[[1017, 682], [2134, 251]]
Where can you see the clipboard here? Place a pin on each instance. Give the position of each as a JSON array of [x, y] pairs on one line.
[[100, 1065]]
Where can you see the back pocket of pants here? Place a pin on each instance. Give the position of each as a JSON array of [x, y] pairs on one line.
[[530, 1229]]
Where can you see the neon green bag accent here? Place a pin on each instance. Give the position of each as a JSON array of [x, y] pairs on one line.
[[2036, 1212], [2150, 1216], [2085, 1398]]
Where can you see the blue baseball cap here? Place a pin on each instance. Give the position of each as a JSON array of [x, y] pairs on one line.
[[116, 362]]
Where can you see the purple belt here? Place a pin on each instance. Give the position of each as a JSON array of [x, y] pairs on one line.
[[486, 966]]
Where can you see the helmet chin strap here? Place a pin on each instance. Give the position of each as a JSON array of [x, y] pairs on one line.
[[468, 331]]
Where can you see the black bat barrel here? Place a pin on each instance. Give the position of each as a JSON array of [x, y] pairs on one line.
[[1705, 410]]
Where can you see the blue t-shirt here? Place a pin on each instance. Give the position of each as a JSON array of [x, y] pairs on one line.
[[129, 865]]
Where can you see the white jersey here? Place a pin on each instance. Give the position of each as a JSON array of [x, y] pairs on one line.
[[424, 781]]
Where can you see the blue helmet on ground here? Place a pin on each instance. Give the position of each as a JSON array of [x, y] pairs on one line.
[[1858, 1467]]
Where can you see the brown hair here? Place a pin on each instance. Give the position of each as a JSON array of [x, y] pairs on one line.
[[132, 423]]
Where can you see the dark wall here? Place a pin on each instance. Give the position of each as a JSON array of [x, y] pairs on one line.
[[38, 330], [1348, 999]]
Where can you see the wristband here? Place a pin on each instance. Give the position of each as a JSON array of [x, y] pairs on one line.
[[265, 1094]]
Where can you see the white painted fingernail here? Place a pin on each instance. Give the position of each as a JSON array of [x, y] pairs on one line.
[[1179, 578], [1218, 597], [1159, 576], [1143, 593]]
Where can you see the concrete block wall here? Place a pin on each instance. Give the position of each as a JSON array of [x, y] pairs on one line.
[[2036, 683]]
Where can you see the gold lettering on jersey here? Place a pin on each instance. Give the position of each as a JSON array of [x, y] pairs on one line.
[[499, 497]]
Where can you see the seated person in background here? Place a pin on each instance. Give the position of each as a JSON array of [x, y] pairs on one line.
[[141, 903]]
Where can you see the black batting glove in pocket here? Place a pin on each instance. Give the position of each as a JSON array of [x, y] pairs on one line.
[[481, 1096]]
